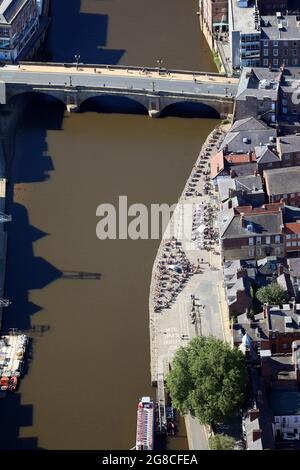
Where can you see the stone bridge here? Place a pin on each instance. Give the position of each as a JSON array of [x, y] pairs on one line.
[[155, 89]]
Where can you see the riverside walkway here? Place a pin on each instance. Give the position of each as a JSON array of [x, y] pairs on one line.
[[200, 306]]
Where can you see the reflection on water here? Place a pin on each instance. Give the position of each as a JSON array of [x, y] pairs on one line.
[[92, 364]]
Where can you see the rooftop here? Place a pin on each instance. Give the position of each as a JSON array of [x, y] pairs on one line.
[[283, 28], [9, 9], [243, 18], [234, 225], [259, 83], [285, 403], [288, 144], [282, 180]]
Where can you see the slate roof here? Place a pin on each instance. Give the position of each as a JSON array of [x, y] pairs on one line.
[[282, 180], [9, 9], [288, 144], [231, 226], [270, 30], [265, 155]]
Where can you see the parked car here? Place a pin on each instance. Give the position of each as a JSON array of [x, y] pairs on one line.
[[290, 436]]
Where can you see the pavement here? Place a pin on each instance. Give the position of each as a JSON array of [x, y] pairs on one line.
[[174, 327], [101, 77]]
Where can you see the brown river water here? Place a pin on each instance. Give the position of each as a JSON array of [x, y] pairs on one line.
[[90, 364]]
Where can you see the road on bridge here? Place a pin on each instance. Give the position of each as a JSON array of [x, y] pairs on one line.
[[70, 75]]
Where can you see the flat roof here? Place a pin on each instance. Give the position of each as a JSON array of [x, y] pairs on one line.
[[243, 18], [282, 180], [285, 403], [9, 9], [290, 29]]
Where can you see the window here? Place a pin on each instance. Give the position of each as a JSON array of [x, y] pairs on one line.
[[277, 250], [284, 110], [251, 252], [258, 240], [284, 346], [295, 52], [284, 102], [268, 240], [294, 243], [292, 194], [294, 236], [296, 419], [295, 61], [266, 43], [258, 251], [275, 52], [275, 61], [287, 157], [288, 237], [295, 44], [266, 62], [288, 244], [298, 243], [251, 241], [277, 239], [266, 52], [283, 421], [285, 52], [275, 43]]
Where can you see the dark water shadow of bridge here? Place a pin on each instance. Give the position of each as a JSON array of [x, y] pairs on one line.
[[189, 109], [25, 272], [74, 32], [112, 104]]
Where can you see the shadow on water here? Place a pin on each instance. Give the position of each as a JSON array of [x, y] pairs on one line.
[[190, 110], [25, 271], [74, 32], [112, 104]]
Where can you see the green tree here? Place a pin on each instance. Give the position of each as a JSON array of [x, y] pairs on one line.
[[208, 379], [272, 294], [221, 442]]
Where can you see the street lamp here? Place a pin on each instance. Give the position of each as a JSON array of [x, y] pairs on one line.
[[77, 58], [159, 63]]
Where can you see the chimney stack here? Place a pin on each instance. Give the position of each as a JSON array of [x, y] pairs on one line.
[[253, 414], [280, 269], [257, 433], [266, 310], [243, 219]]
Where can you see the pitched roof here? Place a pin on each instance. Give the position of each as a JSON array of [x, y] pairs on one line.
[[292, 227], [217, 164], [247, 124], [265, 155], [245, 141], [288, 144], [282, 180], [240, 158], [250, 224]]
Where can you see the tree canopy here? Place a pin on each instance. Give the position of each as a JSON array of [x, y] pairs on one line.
[[208, 379], [272, 294], [221, 442]]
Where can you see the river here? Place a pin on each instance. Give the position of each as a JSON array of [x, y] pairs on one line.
[[90, 362]]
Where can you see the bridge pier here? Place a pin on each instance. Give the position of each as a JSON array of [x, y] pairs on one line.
[[72, 102], [154, 106]]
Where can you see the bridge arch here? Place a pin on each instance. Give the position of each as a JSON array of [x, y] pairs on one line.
[[110, 103], [190, 109], [47, 95]]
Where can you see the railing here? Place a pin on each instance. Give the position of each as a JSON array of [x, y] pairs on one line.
[[122, 67]]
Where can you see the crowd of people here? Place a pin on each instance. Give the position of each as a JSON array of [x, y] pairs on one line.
[[174, 270]]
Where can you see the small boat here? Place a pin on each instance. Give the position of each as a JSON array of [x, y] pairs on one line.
[[13, 384], [4, 383]]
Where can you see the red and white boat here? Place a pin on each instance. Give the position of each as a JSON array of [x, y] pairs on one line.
[[145, 424]]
